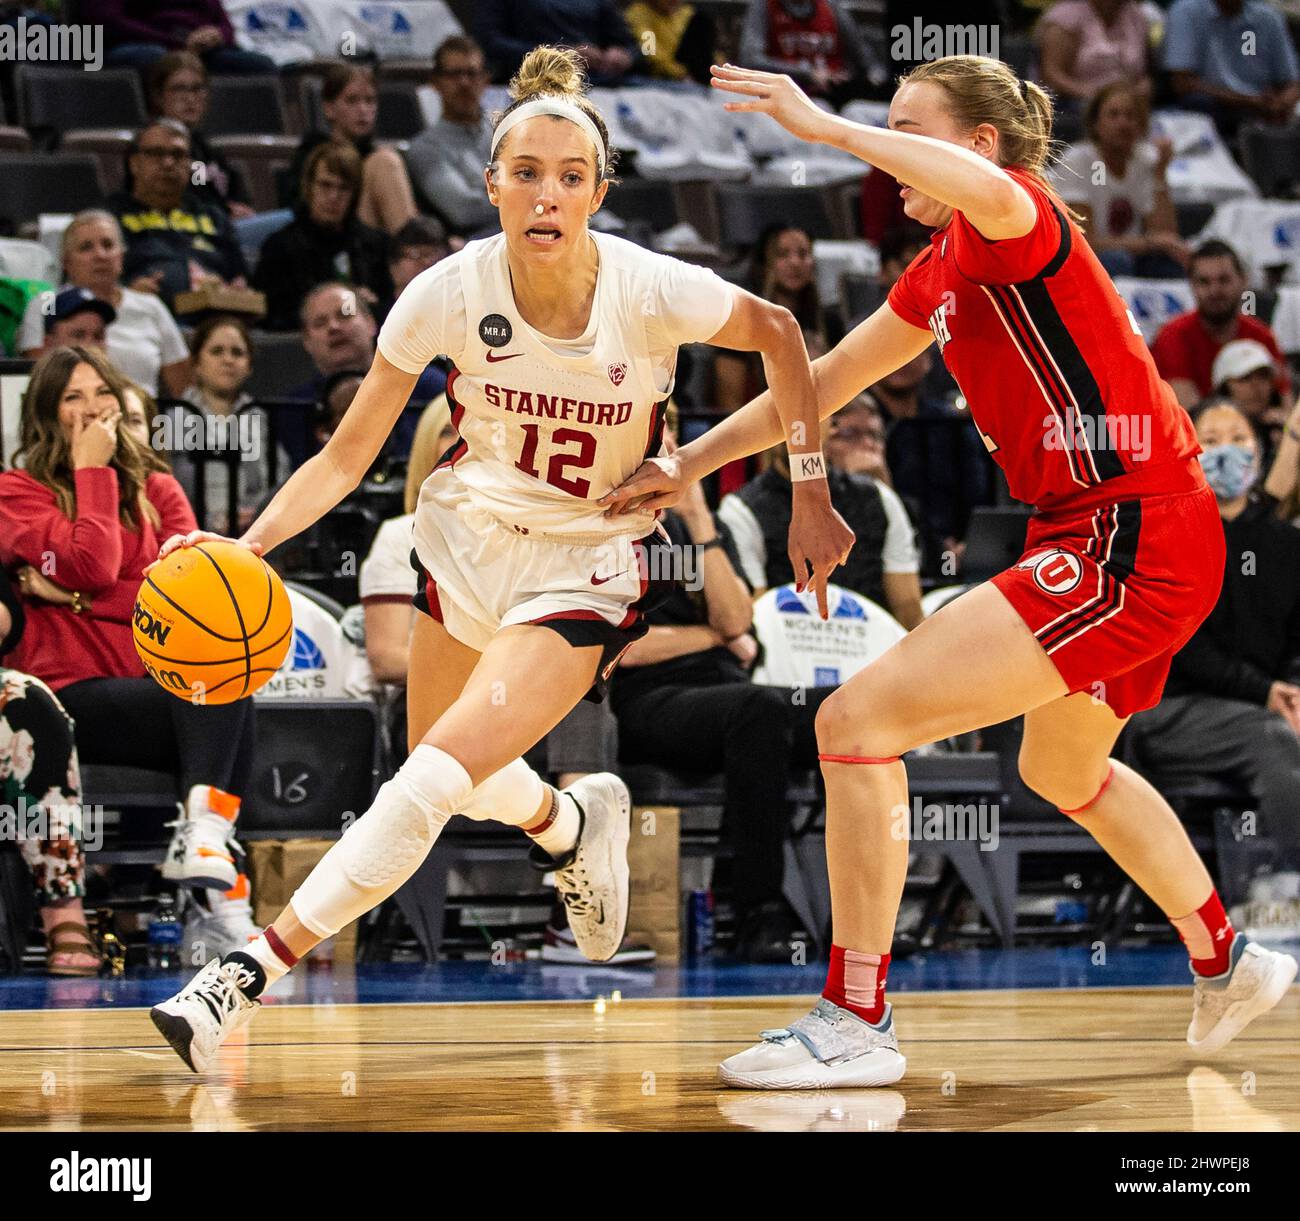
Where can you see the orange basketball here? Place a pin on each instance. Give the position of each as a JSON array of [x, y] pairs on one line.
[[212, 623]]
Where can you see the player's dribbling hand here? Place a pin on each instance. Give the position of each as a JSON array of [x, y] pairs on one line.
[[192, 539], [657, 484], [819, 537], [770, 93]]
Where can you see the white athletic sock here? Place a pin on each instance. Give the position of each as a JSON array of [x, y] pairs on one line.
[[559, 836]]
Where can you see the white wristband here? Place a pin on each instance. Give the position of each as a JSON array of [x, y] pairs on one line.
[[807, 466]]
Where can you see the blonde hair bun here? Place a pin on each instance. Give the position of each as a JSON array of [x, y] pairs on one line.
[[549, 72]]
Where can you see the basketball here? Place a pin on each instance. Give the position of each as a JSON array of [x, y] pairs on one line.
[[212, 623]]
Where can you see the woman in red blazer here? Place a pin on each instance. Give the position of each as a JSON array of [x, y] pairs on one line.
[[78, 524]]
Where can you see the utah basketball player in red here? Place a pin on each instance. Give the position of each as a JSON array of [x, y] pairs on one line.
[[1123, 561]]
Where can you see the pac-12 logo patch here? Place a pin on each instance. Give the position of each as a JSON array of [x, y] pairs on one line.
[[495, 330], [617, 372], [1058, 572]]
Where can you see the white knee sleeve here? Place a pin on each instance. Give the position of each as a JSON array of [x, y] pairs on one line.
[[386, 845], [511, 795]]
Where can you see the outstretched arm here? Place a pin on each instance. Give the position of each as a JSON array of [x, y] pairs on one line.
[[872, 350], [990, 199]]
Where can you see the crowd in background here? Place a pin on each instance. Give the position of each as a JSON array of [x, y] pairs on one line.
[[95, 483]]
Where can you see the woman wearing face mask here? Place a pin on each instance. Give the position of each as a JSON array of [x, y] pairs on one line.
[[1123, 561], [565, 348], [1232, 703]]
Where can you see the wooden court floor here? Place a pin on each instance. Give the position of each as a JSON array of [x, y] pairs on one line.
[[1027, 1060]]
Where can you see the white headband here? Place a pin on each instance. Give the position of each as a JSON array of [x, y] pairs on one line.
[[561, 109]]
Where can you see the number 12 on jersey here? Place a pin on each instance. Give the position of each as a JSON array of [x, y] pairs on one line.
[[580, 460]]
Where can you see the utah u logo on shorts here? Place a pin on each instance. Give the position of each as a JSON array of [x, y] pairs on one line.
[[1057, 572]]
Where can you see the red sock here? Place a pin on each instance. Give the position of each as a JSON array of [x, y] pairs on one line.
[[1207, 933], [856, 982]]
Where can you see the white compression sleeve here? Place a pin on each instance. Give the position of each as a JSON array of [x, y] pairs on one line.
[[512, 795], [386, 845]]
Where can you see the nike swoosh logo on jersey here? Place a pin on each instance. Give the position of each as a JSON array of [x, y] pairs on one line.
[[492, 360], [595, 580]]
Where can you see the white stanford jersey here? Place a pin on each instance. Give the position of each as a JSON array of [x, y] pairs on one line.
[[548, 426]]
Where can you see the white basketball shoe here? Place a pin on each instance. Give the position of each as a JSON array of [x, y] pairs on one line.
[[206, 1012], [593, 881], [1223, 1006], [830, 1048], [201, 852]]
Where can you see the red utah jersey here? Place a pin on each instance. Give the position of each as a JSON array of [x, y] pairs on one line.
[[1050, 361]]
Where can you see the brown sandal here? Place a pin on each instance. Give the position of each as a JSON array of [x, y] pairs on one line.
[[76, 940]]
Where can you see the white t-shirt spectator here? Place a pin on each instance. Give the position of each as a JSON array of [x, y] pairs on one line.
[[386, 573], [1119, 205], [141, 341], [899, 553]]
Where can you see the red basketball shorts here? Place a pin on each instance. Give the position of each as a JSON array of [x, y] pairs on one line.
[[1112, 593]]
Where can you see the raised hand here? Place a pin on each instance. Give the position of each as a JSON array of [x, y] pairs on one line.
[[770, 93]]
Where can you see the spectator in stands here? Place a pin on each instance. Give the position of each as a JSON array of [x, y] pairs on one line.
[[338, 333], [508, 29], [350, 103], [173, 238], [815, 41], [1283, 482], [1086, 45], [676, 39], [1232, 703], [416, 246], [1185, 349], [447, 159], [1115, 180], [138, 414], [1233, 60], [939, 464], [41, 777], [77, 316], [88, 510], [143, 340], [883, 564], [137, 35], [224, 426], [855, 441], [1244, 374], [898, 247], [782, 270], [178, 89], [684, 700], [325, 241]]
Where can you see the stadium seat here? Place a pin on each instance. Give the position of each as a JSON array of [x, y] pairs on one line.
[[652, 201], [744, 212], [862, 296], [47, 182], [802, 650], [259, 157], [54, 100], [108, 147], [316, 761], [1192, 217], [995, 539], [14, 139], [279, 364], [1271, 156], [244, 106], [400, 116], [23, 260]]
